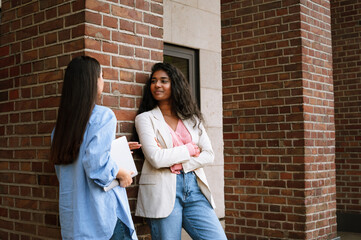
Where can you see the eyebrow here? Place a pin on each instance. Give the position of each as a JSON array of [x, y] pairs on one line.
[[161, 78]]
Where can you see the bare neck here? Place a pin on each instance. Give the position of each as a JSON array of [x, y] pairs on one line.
[[166, 109]]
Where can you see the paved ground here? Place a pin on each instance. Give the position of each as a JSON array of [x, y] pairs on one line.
[[349, 236]]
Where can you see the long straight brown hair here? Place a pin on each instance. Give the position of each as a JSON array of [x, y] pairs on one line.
[[78, 98]]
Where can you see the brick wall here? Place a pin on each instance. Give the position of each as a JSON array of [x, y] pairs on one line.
[[37, 41], [346, 41], [278, 120]]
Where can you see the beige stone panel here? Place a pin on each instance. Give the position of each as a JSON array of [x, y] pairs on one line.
[[192, 3], [192, 27], [216, 137], [213, 6], [210, 69], [215, 178], [211, 106], [167, 21]]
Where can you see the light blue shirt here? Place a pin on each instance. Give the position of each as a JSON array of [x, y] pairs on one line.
[[86, 210]]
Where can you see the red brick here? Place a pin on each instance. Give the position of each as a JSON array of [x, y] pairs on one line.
[[4, 51], [110, 73], [154, 20], [73, 46], [49, 102], [126, 51], [90, 17], [48, 180], [97, 6], [64, 35], [153, 43], [157, 8], [79, 5], [49, 232], [45, 128], [7, 61], [157, 32], [126, 25], [157, 56], [111, 101], [6, 224], [141, 77], [142, 29], [126, 13], [127, 63], [48, 206], [143, 5], [125, 115], [50, 51], [97, 32], [37, 91], [128, 89], [51, 25], [50, 13], [111, 22], [64, 9], [91, 44], [126, 38], [142, 53], [103, 59]]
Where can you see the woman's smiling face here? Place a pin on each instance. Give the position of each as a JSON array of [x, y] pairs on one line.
[[160, 86]]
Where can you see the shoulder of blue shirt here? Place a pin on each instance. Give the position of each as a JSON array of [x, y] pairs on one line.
[[101, 115]]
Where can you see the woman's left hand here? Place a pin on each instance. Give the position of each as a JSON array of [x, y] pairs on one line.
[[125, 177], [176, 168]]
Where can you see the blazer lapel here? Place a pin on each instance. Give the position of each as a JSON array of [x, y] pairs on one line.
[[162, 127], [189, 125]]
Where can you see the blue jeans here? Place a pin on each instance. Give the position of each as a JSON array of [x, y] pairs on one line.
[[121, 232], [191, 211]]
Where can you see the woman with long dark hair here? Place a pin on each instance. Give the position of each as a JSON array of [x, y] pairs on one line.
[[80, 150], [173, 189]]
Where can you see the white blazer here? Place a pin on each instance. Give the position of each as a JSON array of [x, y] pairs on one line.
[[157, 185]]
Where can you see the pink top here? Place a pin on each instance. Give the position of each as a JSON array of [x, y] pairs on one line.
[[180, 136]]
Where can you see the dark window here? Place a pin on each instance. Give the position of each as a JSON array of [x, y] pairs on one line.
[[187, 60]]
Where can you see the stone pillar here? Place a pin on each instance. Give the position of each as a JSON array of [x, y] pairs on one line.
[[37, 41], [278, 120]]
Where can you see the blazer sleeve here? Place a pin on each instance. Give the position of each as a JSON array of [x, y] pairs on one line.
[[97, 163], [156, 156], [206, 155]]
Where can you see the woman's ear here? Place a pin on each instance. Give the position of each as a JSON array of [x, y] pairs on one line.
[[100, 84]]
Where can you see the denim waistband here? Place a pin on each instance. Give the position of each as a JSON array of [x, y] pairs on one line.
[[182, 172]]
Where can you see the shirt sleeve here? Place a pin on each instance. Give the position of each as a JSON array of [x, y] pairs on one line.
[[97, 162]]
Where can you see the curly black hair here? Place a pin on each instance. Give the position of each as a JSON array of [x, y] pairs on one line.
[[181, 98]]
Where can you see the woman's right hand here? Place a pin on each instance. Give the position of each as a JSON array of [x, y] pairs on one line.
[[124, 177], [134, 145], [158, 144], [193, 149]]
